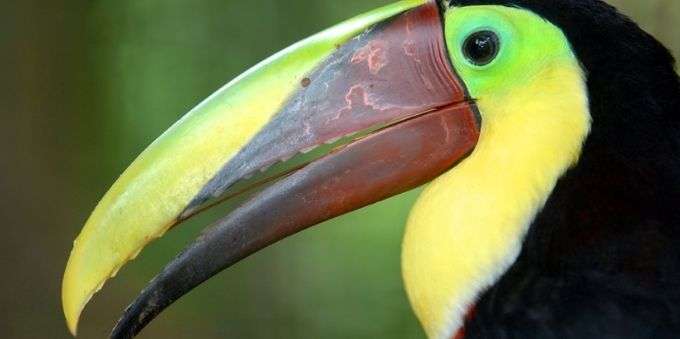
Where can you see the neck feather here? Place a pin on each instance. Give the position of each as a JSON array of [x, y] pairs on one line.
[[467, 227]]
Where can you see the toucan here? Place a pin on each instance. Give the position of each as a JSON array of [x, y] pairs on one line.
[[546, 134]]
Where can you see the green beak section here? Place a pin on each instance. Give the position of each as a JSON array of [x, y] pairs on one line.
[[153, 194]]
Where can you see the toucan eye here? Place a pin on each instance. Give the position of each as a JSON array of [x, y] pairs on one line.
[[480, 48]]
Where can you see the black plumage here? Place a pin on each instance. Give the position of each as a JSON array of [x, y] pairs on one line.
[[602, 258]]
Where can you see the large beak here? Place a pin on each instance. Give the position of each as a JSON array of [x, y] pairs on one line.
[[379, 89]]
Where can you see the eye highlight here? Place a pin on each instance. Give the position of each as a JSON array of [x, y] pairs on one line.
[[481, 48]]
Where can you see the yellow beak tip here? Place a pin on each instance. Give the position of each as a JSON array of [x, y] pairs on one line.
[[72, 304], [73, 328], [72, 323]]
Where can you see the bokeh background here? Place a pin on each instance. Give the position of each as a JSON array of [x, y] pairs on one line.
[[86, 85]]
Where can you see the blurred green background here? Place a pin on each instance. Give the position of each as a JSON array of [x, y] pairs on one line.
[[86, 85]]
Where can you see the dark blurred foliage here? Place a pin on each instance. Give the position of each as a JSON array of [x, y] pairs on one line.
[[86, 85]]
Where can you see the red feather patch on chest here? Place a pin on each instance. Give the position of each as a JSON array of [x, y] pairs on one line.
[[460, 334]]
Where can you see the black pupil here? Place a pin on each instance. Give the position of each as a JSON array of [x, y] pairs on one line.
[[481, 48]]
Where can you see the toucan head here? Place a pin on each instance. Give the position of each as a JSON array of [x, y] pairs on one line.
[[484, 102]]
